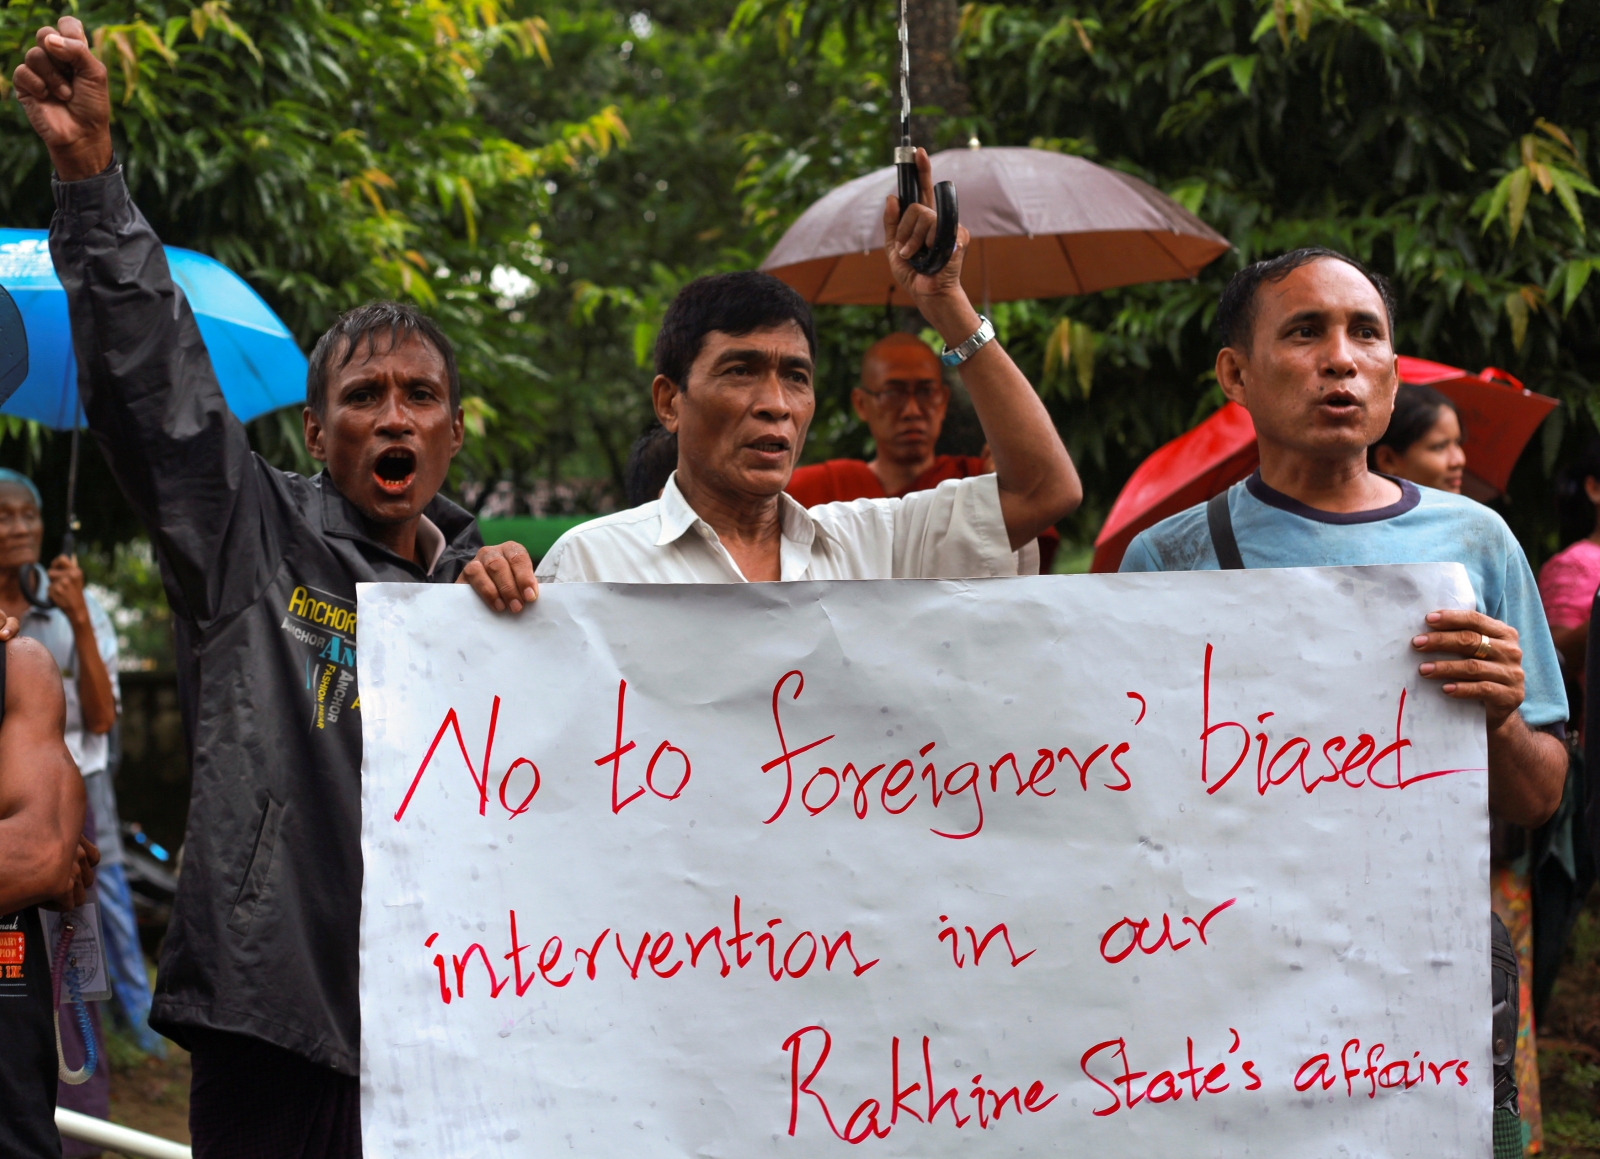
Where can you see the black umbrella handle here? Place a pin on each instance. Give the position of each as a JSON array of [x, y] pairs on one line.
[[35, 584], [933, 257]]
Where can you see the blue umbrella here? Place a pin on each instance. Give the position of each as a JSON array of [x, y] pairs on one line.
[[257, 362], [255, 358]]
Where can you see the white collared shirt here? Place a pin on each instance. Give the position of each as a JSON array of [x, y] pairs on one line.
[[954, 531]]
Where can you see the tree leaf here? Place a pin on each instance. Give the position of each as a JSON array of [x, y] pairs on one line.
[[1555, 131], [1568, 197], [1214, 65], [1190, 194], [644, 340], [1302, 19], [1243, 68], [477, 414], [1517, 310], [1517, 203], [1497, 202], [1578, 272], [1417, 45], [1057, 353], [1083, 341], [1524, 44]]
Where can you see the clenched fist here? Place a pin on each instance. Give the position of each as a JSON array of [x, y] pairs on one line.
[[64, 90]]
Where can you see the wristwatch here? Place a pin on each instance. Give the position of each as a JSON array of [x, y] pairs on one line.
[[971, 346]]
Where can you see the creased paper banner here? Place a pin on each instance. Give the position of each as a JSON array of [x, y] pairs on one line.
[[1116, 865]]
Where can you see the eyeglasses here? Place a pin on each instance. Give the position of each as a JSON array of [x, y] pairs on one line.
[[926, 394]]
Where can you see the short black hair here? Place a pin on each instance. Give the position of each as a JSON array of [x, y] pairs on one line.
[[735, 303], [1236, 309], [1416, 409], [650, 464], [400, 319]]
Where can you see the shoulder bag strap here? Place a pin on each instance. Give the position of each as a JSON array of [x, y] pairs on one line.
[[1220, 522]]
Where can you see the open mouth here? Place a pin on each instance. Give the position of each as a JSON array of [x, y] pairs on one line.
[[773, 446], [395, 469], [1341, 402]]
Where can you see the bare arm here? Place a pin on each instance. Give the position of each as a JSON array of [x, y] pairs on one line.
[[42, 855], [1038, 483], [1527, 772], [95, 696], [1527, 768]]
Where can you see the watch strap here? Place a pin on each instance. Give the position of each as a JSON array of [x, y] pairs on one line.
[[981, 338]]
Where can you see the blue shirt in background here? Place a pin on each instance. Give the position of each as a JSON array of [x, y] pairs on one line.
[[1425, 526]]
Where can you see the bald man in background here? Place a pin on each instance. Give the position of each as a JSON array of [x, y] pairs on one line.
[[903, 399]]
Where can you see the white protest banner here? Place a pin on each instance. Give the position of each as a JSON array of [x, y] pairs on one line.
[[1186, 865]]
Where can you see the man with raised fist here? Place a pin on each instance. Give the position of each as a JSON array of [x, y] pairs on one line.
[[259, 970]]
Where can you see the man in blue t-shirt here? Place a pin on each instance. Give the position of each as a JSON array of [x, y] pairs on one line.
[[1307, 350]]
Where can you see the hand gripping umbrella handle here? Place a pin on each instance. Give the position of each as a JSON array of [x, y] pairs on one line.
[[931, 258]]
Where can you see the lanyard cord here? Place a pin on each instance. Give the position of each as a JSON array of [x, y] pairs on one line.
[[61, 968]]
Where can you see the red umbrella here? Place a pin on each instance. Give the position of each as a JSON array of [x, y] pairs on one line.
[[1498, 417], [1188, 470]]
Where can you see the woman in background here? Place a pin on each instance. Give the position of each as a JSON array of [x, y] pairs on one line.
[[1423, 442], [1568, 579]]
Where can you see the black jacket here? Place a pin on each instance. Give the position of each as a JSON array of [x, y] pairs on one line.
[[261, 568]]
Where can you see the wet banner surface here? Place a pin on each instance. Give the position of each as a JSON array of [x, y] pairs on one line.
[[1106, 865]]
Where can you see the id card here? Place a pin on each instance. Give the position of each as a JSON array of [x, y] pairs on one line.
[[87, 951]]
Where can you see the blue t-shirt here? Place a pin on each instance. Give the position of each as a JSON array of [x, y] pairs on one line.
[[1425, 526]]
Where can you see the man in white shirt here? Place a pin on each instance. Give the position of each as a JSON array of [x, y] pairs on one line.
[[734, 365]]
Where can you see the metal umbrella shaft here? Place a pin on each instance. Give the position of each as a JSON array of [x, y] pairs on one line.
[[936, 254], [69, 540], [905, 157]]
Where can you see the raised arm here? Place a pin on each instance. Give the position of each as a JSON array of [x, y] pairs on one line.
[[43, 857], [1038, 483], [94, 643], [150, 394]]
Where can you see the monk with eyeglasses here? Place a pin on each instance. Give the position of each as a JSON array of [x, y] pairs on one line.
[[903, 399]]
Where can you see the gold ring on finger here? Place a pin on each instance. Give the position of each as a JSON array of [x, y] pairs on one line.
[[1484, 648]]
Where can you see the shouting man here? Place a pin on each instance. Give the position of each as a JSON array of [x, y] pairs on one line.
[[258, 974]]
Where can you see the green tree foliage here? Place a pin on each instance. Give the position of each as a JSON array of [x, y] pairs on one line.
[[717, 115], [1445, 143], [544, 178], [330, 154]]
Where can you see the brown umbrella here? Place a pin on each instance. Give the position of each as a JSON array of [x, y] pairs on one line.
[[1043, 225]]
